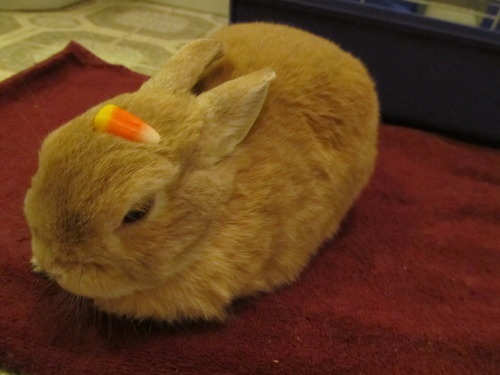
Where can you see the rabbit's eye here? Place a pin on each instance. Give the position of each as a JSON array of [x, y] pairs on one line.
[[134, 215], [139, 212]]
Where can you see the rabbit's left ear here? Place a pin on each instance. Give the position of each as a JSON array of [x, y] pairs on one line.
[[183, 70], [231, 109]]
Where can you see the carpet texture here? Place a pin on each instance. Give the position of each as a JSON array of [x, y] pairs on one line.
[[411, 285]]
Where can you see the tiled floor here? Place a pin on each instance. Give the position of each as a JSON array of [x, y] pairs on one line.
[[138, 34]]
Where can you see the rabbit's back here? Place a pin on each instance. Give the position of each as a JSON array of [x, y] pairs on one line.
[[316, 79], [308, 155]]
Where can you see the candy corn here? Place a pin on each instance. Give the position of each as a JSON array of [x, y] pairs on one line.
[[115, 120]]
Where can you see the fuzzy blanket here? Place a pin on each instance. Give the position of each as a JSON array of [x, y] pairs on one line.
[[411, 284]]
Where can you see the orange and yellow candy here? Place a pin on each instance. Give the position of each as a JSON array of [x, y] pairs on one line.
[[115, 120]]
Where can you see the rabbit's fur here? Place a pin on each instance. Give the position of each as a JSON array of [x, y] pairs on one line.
[[252, 174]]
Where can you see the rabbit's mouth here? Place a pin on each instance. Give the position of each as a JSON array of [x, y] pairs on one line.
[[92, 280]]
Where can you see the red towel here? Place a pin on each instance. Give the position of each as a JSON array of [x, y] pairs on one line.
[[411, 285]]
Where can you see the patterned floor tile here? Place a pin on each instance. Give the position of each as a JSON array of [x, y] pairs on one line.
[[153, 22], [8, 23], [20, 56], [54, 21]]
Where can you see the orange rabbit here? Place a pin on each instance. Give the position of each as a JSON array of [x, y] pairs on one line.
[[268, 135]]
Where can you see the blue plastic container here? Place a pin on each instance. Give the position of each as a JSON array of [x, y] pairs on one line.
[[399, 6], [491, 22]]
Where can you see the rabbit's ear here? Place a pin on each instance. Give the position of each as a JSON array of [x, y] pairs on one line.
[[231, 109], [183, 70]]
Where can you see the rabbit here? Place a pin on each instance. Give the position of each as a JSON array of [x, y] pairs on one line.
[[268, 134]]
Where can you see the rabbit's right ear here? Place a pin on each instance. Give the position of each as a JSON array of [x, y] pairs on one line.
[[230, 111], [183, 70]]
